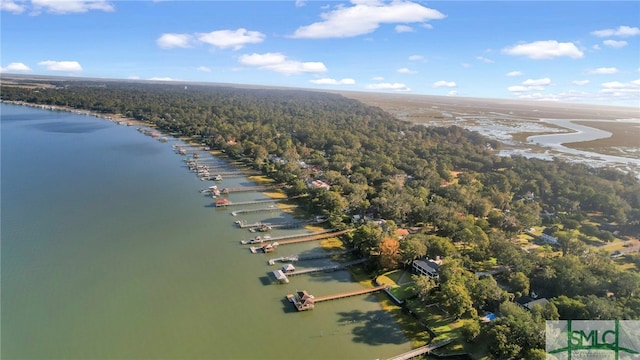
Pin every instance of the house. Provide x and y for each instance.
(551, 240)
(528, 302)
(318, 184)
(287, 269)
(402, 233)
(427, 267)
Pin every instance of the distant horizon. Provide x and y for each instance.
(332, 91)
(560, 51)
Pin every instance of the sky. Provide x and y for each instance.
(568, 51)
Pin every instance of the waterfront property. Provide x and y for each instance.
(427, 267)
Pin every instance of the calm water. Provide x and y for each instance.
(109, 251)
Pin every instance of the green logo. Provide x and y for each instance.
(593, 339)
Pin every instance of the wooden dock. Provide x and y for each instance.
(348, 294)
(327, 268)
(229, 190)
(284, 237)
(419, 351)
(294, 258)
(270, 208)
(240, 203)
(314, 237)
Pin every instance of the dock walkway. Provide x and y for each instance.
(284, 237)
(270, 208)
(326, 268)
(323, 235)
(294, 258)
(420, 351)
(348, 294)
(240, 203)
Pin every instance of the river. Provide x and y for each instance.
(109, 251)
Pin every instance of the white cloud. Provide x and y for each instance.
(442, 83)
(615, 43)
(530, 85)
(416, 57)
(279, 63)
(403, 29)
(380, 78)
(622, 31)
(484, 59)
(604, 71)
(452, 93)
(580, 82)
(365, 17)
(134, 77)
(537, 82)
(230, 38)
(427, 26)
(69, 66)
(389, 86)
(330, 81)
(547, 49)
(466, 65)
(70, 6)
(515, 73)
(162, 78)
(406, 71)
(168, 41)
(11, 6)
(300, 3)
(15, 67)
(518, 88)
(623, 91)
(596, 47)
(203, 69)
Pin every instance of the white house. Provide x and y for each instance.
(427, 267)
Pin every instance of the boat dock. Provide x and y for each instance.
(270, 208)
(303, 301)
(244, 225)
(229, 203)
(294, 258)
(258, 239)
(229, 190)
(421, 350)
(327, 268)
(316, 236)
(348, 294)
(275, 244)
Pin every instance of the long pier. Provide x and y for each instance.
(313, 237)
(325, 268)
(294, 258)
(348, 294)
(246, 211)
(419, 351)
(284, 237)
(229, 190)
(249, 202)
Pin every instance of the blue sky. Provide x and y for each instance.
(572, 51)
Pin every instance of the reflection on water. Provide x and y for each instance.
(69, 127)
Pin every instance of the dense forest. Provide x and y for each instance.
(461, 201)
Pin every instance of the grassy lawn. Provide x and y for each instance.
(332, 244)
(400, 282)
